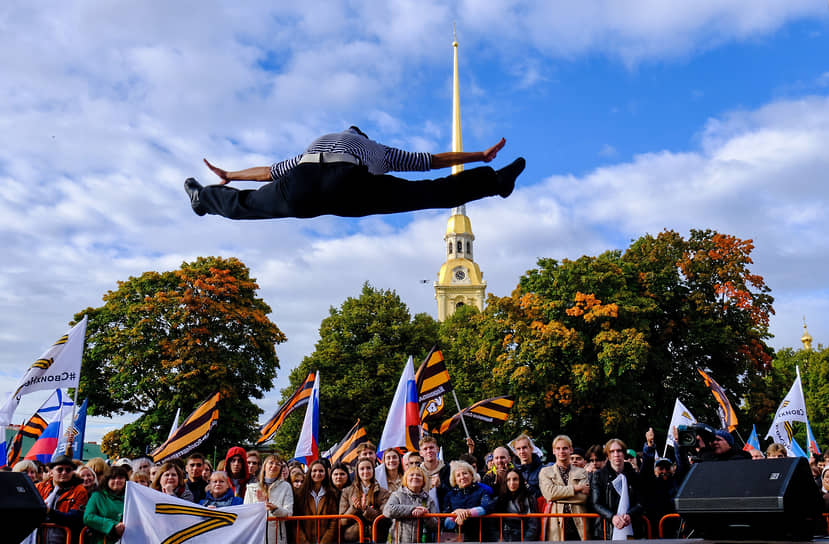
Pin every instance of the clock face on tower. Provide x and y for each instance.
(460, 274)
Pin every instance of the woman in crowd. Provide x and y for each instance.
(824, 488)
(105, 509)
(236, 467)
(615, 485)
(514, 497)
(316, 497)
(89, 479)
(170, 481)
(100, 466)
(297, 478)
(142, 478)
(27, 467)
(365, 499)
(340, 477)
(277, 495)
(207, 470)
(406, 508)
(388, 472)
(466, 500)
(219, 493)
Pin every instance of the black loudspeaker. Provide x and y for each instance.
(767, 499)
(21, 508)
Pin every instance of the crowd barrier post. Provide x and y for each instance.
(86, 534)
(662, 521)
(41, 535)
(298, 519)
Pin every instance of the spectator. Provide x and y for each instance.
(596, 458)
(219, 493)
(410, 459)
(237, 470)
(407, 506)
(170, 481)
(577, 458)
(722, 449)
(142, 463)
(501, 462)
(195, 482)
(466, 501)
(529, 464)
(515, 497)
(367, 450)
(104, 513)
(297, 478)
(467, 458)
(756, 454)
(389, 472)
(565, 487)
(438, 472)
(277, 495)
(775, 450)
(65, 499)
(615, 496)
(253, 461)
(101, 468)
(659, 484)
(89, 479)
(140, 477)
(153, 471)
(340, 477)
(316, 497)
(207, 470)
(28, 467)
(824, 488)
(365, 499)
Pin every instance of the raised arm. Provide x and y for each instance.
(451, 158)
(257, 173)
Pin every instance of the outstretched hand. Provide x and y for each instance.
(219, 172)
(490, 153)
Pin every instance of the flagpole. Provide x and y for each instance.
(70, 443)
(460, 413)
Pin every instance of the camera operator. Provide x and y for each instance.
(702, 443)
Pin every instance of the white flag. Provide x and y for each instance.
(681, 416)
(793, 408)
(59, 367)
(151, 517)
(175, 424)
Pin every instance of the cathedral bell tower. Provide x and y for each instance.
(460, 281)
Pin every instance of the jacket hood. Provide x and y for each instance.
(236, 450)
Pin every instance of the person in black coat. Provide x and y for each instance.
(606, 500)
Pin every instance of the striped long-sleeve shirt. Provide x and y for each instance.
(377, 157)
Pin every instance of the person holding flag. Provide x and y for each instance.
(65, 499)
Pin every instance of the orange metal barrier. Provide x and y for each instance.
(542, 516)
(318, 519)
(86, 536)
(41, 537)
(662, 521)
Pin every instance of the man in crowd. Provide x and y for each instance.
(367, 450)
(529, 464)
(577, 458)
(65, 499)
(565, 486)
(195, 480)
(253, 462)
(659, 485)
(142, 464)
(500, 464)
(438, 472)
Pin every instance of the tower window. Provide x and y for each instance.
(449, 248)
(460, 246)
(469, 248)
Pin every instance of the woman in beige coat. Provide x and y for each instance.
(364, 499)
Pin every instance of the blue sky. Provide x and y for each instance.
(633, 116)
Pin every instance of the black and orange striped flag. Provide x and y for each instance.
(346, 450)
(433, 383)
(489, 411)
(728, 417)
(31, 429)
(297, 400)
(191, 433)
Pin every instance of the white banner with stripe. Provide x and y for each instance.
(151, 517)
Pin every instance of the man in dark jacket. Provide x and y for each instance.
(529, 463)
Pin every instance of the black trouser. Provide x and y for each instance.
(347, 190)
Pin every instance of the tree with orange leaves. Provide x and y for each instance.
(167, 340)
(604, 345)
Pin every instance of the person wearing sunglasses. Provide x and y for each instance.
(65, 498)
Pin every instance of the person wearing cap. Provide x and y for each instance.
(65, 499)
(722, 449)
(345, 174)
(659, 483)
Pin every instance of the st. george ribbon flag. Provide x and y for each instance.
(58, 368)
(793, 408)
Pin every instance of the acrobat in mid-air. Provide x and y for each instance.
(345, 174)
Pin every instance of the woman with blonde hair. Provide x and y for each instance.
(407, 506)
(99, 465)
(27, 467)
(89, 479)
(466, 500)
(277, 495)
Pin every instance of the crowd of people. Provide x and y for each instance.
(619, 484)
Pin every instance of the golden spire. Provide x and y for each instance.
(457, 139)
(806, 339)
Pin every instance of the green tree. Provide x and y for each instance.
(360, 355)
(603, 345)
(168, 340)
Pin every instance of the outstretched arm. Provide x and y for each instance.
(257, 173)
(442, 160)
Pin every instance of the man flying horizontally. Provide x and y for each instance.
(345, 174)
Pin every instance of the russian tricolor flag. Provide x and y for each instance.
(43, 449)
(402, 427)
(307, 447)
